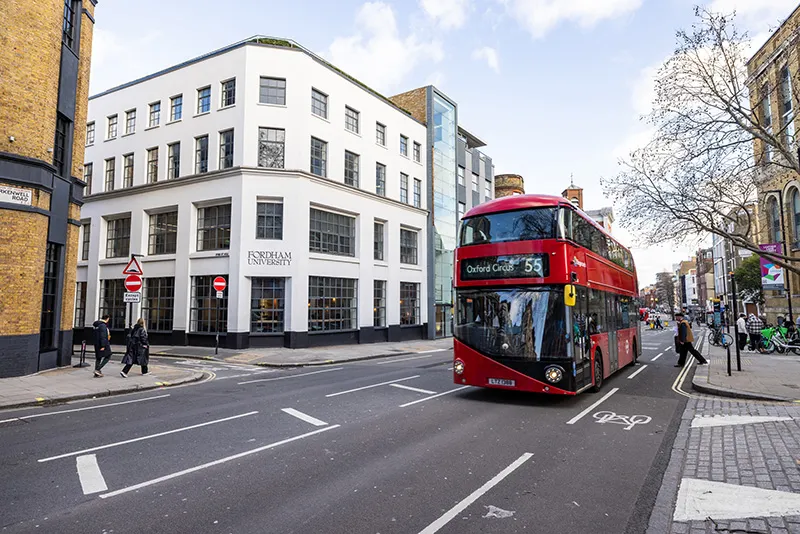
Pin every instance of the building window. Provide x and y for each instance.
(60, 146)
(112, 294)
(112, 127)
(417, 152)
(267, 302)
(351, 168)
(90, 134)
(173, 160)
(404, 145)
(408, 246)
(118, 238)
(409, 304)
(774, 221)
(319, 103)
(226, 149)
(269, 220)
(272, 91)
(462, 209)
(379, 303)
(163, 235)
(68, 29)
(332, 304)
(152, 165)
(85, 240)
(766, 120)
(80, 305)
(201, 154)
(378, 241)
(228, 93)
(271, 147)
(796, 211)
(487, 189)
(155, 114)
(88, 171)
(111, 170)
(417, 193)
(127, 170)
(319, 157)
(380, 179)
(204, 100)
(214, 227)
(130, 121)
(380, 134)
(158, 303)
(351, 118)
(47, 333)
(461, 181)
(332, 233)
(787, 116)
(203, 306)
(475, 182)
(176, 108)
(404, 188)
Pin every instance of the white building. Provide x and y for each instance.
(262, 163)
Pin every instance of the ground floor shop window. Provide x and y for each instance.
(332, 304)
(409, 303)
(379, 303)
(112, 294)
(80, 305)
(267, 303)
(47, 333)
(203, 310)
(158, 304)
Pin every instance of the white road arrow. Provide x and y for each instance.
(699, 499)
(727, 420)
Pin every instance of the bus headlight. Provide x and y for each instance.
(554, 374)
(458, 367)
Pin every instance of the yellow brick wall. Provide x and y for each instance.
(414, 102)
(70, 269)
(78, 147)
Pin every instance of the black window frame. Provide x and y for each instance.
(113, 126)
(176, 108)
(410, 307)
(417, 152)
(352, 162)
(269, 219)
(174, 160)
(112, 302)
(47, 325)
(263, 290)
(380, 179)
(331, 233)
(352, 120)
(403, 188)
(118, 237)
(379, 303)
(60, 145)
(127, 170)
(158, 303)
(130, 121)
(271, 152)
(226, 148)
(332, 304)
(403, 145)
(417, 193)
(88, 175)
(90, 133)
(152, 165)
(79, 317)
(203, 306)
(409, 248)
(319, 103)
(380, 133)
(378, 240)
(201, 154)
(68, 28)
(214, 227)
(154, 115)
(228, 93)
(203, 100)
(110, 174)
(319, 157)
(162, 235)
(86, 239)
(275, 91)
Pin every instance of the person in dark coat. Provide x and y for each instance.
(102, 344)
(137, 352)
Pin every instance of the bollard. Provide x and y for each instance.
(82, 362)
(728, 348)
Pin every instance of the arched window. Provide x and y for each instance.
(796, 214)
(775, 221)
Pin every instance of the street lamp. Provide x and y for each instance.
(785, 249)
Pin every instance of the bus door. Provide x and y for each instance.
(581, 342)
(612, 324)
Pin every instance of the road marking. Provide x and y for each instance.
(636, 372)
(592, 407)
(657, 356)
(434, 350)
(418, 390)
(404, 359)
(628, 420)
(703, 421)
(92, 480)
(372, 386)
(289, 376)
(151, 436)
(82, 409)
(305, 417)
(475, 495)
(245, 374)
(699, 499)
(215, 462)
(434, 396)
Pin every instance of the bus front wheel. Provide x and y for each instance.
(598, 371)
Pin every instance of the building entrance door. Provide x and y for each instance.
(444, 320)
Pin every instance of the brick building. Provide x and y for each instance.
(45, 50)
(508, 184)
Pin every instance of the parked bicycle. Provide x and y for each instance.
(781, 339)
(718, 338)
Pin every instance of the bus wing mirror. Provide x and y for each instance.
(569, 295)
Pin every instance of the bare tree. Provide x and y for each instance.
(665, 290)
(714, 144)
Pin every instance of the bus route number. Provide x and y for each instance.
(509, 266)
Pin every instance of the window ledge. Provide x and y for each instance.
(404, 155)
(152, 127)
(319, 332)
(87, 146)
(409, 267)
(159, 257)
(333, 257)
(272, 105)
(218, 253)
(226, 107)
(320, 117)
(357, 134)
(174, 122)
(203, 113)
(109, 139)
(128, 134)
(382, 146)
(114, 261)
(381, 263)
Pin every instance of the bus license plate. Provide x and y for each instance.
(502, 382)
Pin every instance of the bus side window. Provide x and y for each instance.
(565, 224)
(580, 322)
(597, 312)
(625, 309)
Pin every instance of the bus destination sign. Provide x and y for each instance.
(510, 266)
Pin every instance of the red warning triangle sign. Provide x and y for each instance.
(133, 267)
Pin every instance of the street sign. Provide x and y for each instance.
(133, 267)
(219, 283)
(133, 283)
(132, 297)
(219, 294)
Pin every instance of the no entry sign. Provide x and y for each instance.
(133, 282)
(219, 283)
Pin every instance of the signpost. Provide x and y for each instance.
(133, 287)
(219, 285)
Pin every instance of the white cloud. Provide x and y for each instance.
(446, 13)
(488, 54)
(377, 53)
(644, 89)
(541, 16)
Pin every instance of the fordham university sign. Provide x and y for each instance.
(269, 258)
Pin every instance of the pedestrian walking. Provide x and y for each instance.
(659, 326)
(685, 340)
(741, 325)
(137, 352)
(102, 344)
(754, 327)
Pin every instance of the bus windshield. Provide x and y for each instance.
(522, 225)
(518, 324)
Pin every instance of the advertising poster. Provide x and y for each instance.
(771, 274)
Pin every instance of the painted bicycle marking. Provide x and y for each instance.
(628, 420)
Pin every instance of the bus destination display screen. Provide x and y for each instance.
(509, 266)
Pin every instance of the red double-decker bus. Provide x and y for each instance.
(546, 299)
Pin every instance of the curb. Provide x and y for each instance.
(700, 383)
(196, 377)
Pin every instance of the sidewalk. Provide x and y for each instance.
(69, 383)
(283, 357)
(773, 377)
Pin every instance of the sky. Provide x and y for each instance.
(556, 88)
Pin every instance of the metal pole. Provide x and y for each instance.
(216, 327)
(785, 250)
(729, 360)
(736, 324)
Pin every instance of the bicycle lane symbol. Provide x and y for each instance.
(628, 420)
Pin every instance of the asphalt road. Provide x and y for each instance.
(382, 446)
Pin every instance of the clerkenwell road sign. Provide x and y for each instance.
(269, 257)
(15, 195)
